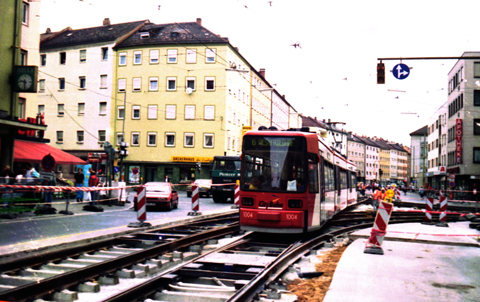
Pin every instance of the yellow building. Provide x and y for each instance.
(182, 96)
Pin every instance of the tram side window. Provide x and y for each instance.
(343, 179)
(329, 177)
(353, 180)
(313, 173)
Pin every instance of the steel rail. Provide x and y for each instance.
(50, 285)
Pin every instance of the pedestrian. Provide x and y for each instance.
(31, 175)
(421, 191)
(79, 179)
(93, 182)
(377, 196)
(7, 176)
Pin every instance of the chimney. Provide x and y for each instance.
(199, 21)
(48, 31)
(106, 22)
(262, 72)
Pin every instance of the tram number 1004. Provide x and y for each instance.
(291, 216)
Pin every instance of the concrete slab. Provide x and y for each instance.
(421, 267)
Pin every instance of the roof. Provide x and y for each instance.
(308, 121)
(172, 33)
(420, 132)
(100, 34)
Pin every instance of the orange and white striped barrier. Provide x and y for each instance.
(443, 211)
(195, 202)
(374, 243)
(141, 209)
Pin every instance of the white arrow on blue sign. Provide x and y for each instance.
(401, 71)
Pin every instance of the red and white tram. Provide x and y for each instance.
(292, 182)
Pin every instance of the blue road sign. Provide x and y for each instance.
(401, 71)
(116, 169)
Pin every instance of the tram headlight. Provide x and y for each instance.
(295, 203)
(247, 201)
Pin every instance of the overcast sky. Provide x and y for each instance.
(333, 74)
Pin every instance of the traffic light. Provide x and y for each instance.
(380, 73)
(199, 166)
(123, 152)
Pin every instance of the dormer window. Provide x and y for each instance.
(144, 35)
(174, 34)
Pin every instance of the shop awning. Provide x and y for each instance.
(34, 152)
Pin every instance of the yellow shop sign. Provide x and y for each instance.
(192, 159)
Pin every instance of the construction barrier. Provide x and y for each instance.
(428, 211)
(195, 201)
(443, 211)
(236, 199)
(374, 243)
(141, 209)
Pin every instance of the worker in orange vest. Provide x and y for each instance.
(377, 197)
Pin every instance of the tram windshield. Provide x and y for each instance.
(274, 163)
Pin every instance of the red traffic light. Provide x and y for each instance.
(380, 73)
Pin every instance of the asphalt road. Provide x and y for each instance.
(50, 226)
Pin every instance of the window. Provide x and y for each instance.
(60, 110)
(190, 112)
(82, 82)
(63, 58)
(23, 57)
(136, 112)
(137, 84)
(171, 83)
(171, 112)
(59, 137)
(191, 55)
(41, 85)
(476, 98)
(81, 108)
(83, 55)
(25, 12)
(119, 138)
(208, 140)
(61, 83)
(172, 56)
(476, 126)
(169, 139)
(153, 84)
(135, 138)
(103, 81)
(120, 112)
(43, 59)
(190, 81)
(209, 83)
(210, 55)
(152, 139)
(137, 57)
(41, 109)
(476, 69)
(122, 59)
(102, 134)
(154, 56)
(104, 53)
(102, 108)
(476, 155)
(122, 83)
(21, 107)
(189, 140)
(209, 112)
(80, 136)
(152, 112)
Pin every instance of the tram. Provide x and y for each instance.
(292, 182)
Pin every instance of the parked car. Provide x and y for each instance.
(159, 195)
(204, 187)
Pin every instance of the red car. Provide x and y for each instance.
(159, 195)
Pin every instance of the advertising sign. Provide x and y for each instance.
(458, 141)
